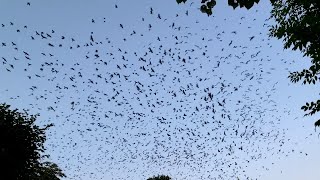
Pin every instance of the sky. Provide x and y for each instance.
(140, 88)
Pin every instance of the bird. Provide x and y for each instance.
(179, 97)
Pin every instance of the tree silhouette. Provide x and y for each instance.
(22, 147)
(208, 5)
(159, 177)
(298, 24)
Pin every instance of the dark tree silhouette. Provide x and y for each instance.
(159, 177)
(298, 24)
(22, 147)
(208, 5)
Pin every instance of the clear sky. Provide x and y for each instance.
(129, 90)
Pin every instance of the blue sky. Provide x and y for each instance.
(118, 116)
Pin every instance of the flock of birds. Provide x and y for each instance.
(161, 98)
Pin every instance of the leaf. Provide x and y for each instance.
(233, 4)
(203, 9)
(211, 4)
(249, 4)
(209, 12)
(180, 1)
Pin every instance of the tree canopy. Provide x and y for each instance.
(159, 177)
(22, 147)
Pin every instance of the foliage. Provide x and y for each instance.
(298, 24)
(208, 5)
(50, 171)
(22, 146)
(159, 177)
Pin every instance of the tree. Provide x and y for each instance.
(208, 5)
(159, 177)
(298, 24)
(22, 147)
